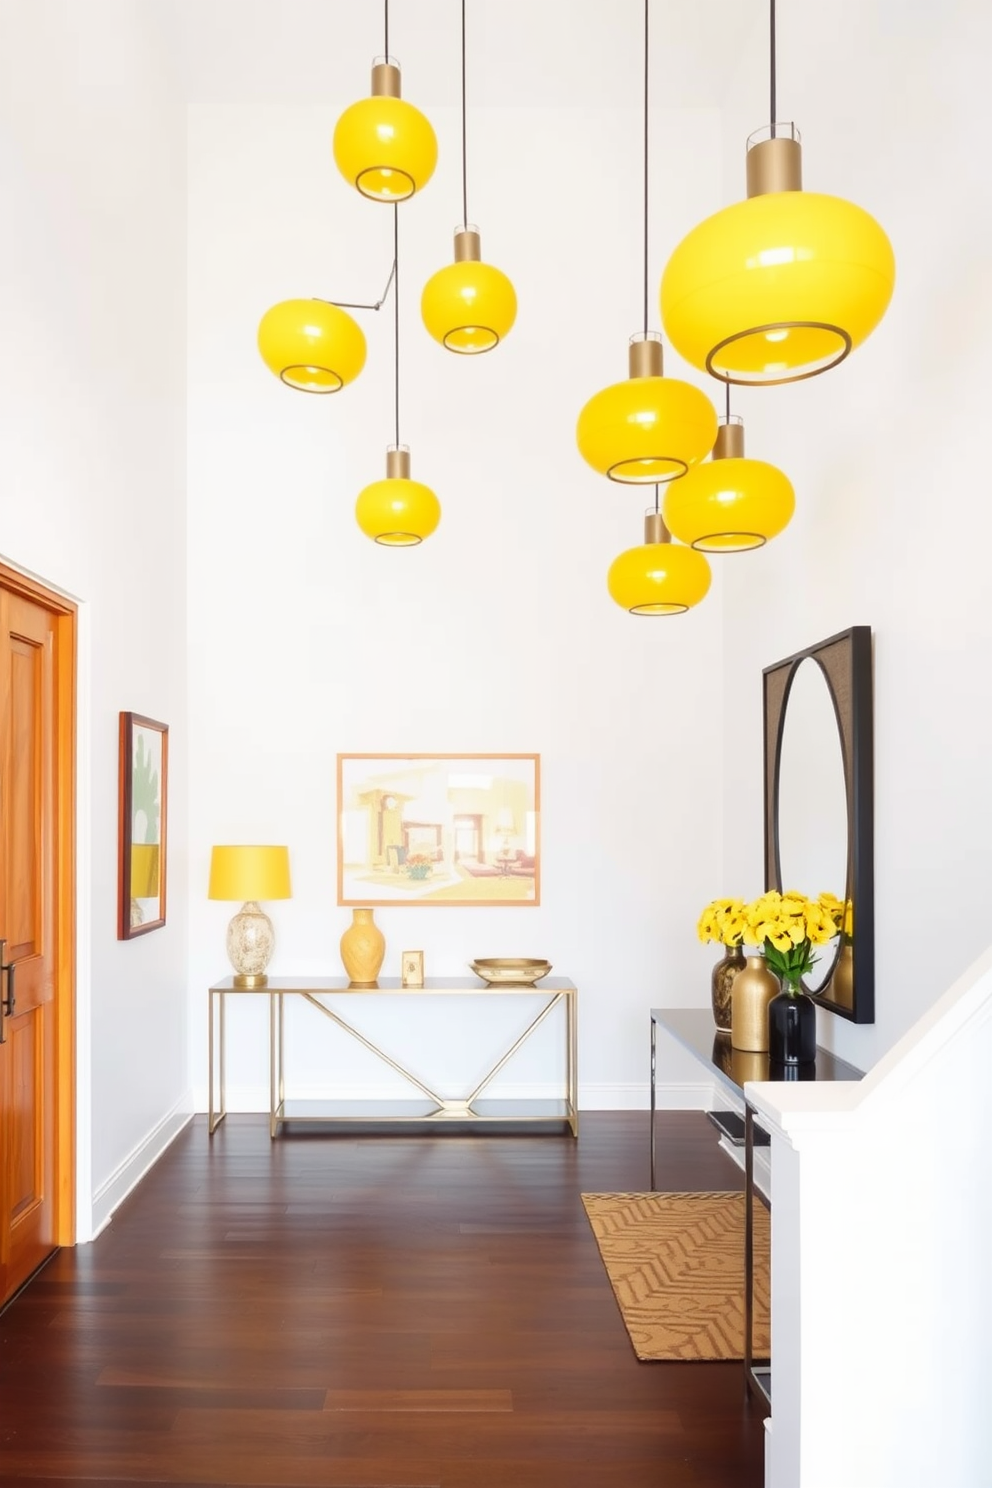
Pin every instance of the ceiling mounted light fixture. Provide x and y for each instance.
(397, 512)
(384, 146)
(729, 504)
(783, 285)
(660, 577)
(469, 306)
(651, 428)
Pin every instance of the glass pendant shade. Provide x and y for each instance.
(397, 512)
(660, 577)
(649, 429)
(780, 286)
(311, 345)
(468, 306)
(384, 146)
(729, 504)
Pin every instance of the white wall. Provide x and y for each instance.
(888, 456)
(91, 496)
(496, 634)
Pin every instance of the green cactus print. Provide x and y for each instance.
(144, 792)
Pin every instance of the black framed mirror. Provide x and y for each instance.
(819, 805)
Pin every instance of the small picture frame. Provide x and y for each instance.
(412, 970)
(143, 777)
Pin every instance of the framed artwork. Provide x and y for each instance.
(141, 833)
(439, 829)
(412, 969)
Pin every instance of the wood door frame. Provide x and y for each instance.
(64, 664)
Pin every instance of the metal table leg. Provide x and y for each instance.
(654, 1061)
(757, 1373)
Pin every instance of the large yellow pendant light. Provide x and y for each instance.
(397, 512)
(780, 286)
(469, 306)
(311, 345)
(660, 577)
(383, 145)
(729, 504)
(651, 428)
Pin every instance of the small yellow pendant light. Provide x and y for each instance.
(651, 428)
(729, 504)
(469, 306)
(781, 286)
(397, 512)
(311, 345)
(660, 577)
(384, 146)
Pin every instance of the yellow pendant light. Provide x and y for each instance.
(660, 577)
(469, 306)
(729, 504)
(781, 286)
(651, 428)
(397, 512)
(311, 345)
(383, 146)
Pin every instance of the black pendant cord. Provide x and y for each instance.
(771, 62)
(728, 400)
(645, 167)
(396, 315)
(386, 9)
(464, 132)
(657, 508)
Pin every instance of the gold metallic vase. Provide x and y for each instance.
(753, 990)
(363, 947)
(721, 982)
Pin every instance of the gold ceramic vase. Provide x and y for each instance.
(721, 982)
(363, 947)
(753, 990)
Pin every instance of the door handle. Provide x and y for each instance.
(7, 1002)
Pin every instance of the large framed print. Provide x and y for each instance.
(143, 774)
(439, 829)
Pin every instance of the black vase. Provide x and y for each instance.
(791, 1028)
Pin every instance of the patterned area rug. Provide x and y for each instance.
(676, 1265)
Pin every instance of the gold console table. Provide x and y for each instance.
(433, 1108)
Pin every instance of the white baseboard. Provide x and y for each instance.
(115, 1189)
(636, 1096)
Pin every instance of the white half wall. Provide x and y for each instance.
(92, 284)
(498, 633)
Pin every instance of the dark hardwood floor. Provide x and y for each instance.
(381, 1311)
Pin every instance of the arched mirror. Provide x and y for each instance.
(818, 805)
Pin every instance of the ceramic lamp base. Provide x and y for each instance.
(250, 943)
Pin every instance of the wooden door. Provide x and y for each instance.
(35, 1177)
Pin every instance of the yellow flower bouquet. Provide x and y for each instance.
(788, 926)
(723, 921)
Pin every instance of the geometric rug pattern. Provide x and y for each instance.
(676, 1265)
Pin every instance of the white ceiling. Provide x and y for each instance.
(520, 52)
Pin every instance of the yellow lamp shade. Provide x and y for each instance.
(468, 306)
(729, 506)
(383, 145)
(311, 346)
(397, 512)
(649, 429)
(658, 578)
(246, 873)
(144, 870)
(778, 287)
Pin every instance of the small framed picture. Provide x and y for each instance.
(142, 811)
(413, 969)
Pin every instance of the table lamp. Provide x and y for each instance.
(249, 874)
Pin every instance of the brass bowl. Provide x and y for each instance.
(510, 971)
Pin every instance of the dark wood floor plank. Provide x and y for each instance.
(384, 1311)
